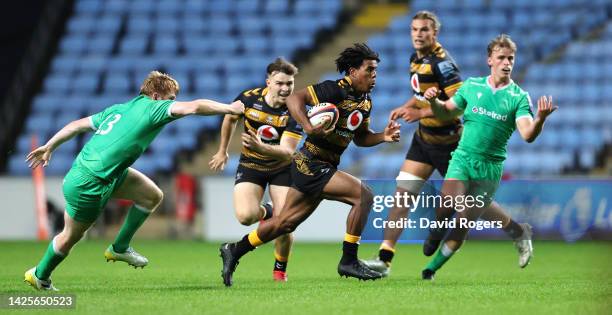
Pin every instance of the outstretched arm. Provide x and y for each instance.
(217, 163)
(530, 128)
(368, 138)
(442, 110)
(410, 112)
(205, 107)
(42, 154)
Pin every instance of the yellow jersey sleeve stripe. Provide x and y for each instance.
(313, 94)
(452, 87)
(292, 135)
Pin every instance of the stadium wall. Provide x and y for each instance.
(558, 209)
(19, 221)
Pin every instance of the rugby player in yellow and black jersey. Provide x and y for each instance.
(313, 169)
(434, 140)
(269, 140)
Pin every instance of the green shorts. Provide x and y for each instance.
(86, 195)
(481, 176)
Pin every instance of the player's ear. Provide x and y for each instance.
(489, 61)
(155, 96)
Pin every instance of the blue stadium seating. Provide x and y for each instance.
(215, 48)
(576, 81)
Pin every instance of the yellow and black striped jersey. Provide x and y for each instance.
(437, 69)
(270, 124)
(354, 109)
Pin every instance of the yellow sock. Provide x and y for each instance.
(351, 238)
(254, 239)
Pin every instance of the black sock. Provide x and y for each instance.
(242, 247)
(385, 255)
(349, 252)
(437, 233)
(269, 211)
(280, 265)
(514, 230)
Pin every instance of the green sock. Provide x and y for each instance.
(441, 257)
(49, 261)
(133, 220)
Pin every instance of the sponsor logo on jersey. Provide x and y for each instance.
(414, 82)
(254, 114)
(354, 120)
(267, 132)
(447, 68)
(482, 111)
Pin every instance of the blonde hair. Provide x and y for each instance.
(501, 41)
(428, 15)
(161, 83)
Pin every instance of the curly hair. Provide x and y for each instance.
(353, 57)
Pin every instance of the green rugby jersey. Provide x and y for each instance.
(490, 116)
(122, 133)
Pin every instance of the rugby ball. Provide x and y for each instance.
(324, 113)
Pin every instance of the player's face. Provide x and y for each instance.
(423, 34)
(364, 78)
(501, 62)
(280, 86)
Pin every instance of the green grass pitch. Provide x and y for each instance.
(184, 278)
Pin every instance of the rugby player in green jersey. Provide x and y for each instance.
(492, 107)
(102, 169)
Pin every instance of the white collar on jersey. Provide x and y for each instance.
(494, 90)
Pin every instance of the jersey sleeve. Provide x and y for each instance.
(293, 129)
(524, 107)
(448, 75)
(460, 98)
(326, 92)
(160, 112)
(96, 119)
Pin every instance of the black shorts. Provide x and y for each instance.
(280, 177)
(310, 176)
(436, 155)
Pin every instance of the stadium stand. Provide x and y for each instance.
(214, 48)
(541, 29)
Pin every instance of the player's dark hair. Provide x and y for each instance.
(501, 41)
(353, 57)
(283, 66)
(428, 15)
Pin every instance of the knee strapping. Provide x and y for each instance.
(409, 182)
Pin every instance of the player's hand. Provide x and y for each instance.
(431, 93)
(42, 155)
(319, 130)
(411, 114)
(397, 113)
(545, 106)
(251, 140)
(218, 161)
(236, 108)
(392, 132)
